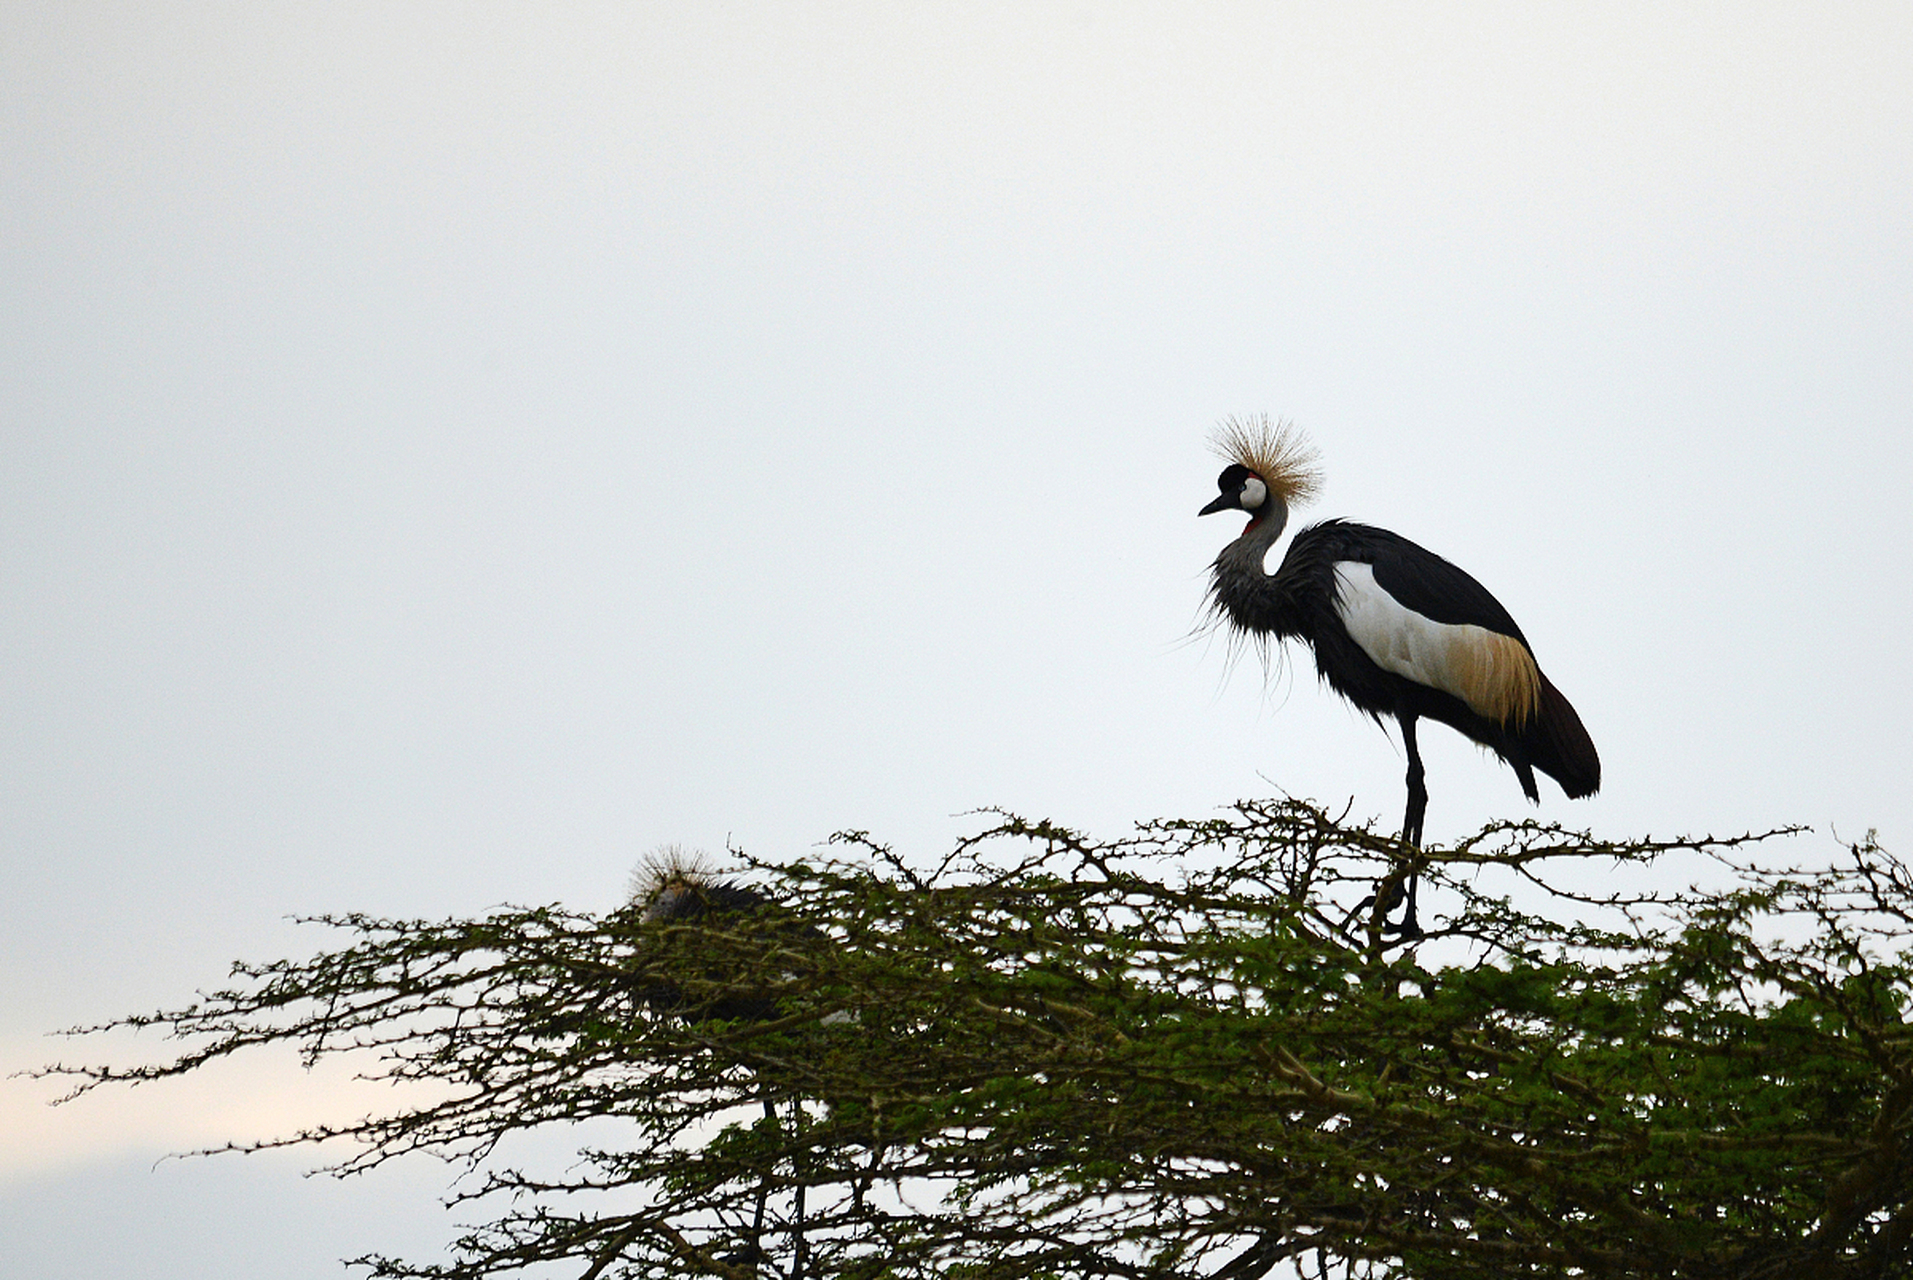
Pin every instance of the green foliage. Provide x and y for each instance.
(1165, 1056)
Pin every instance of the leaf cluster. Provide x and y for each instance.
(1172, 1055)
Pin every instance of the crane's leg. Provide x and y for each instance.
(1417, 788)
(1412, 820)
(1411, 835)
(753, 1252)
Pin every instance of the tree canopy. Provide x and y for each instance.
(1168, 1055)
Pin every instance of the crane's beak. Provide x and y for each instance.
(1223, 503)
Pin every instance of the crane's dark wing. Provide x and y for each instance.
(1428, 584)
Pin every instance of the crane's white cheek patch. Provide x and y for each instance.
(1254, 494)
(1494, 674)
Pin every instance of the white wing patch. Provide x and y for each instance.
(1494, 674)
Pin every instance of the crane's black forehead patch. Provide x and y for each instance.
(1232, 477)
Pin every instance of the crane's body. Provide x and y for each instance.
(1394, 628)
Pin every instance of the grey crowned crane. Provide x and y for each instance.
(1395, 629)
(674, 889)
(683, 893)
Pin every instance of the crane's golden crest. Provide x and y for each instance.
(671, 866)
(1274, 450)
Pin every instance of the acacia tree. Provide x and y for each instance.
(1171, 1055)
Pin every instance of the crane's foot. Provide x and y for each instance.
(1408, 928)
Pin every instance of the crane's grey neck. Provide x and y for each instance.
(1249, 551)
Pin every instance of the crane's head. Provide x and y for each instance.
(1271, 465)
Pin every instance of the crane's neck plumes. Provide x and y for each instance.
(1244, 589)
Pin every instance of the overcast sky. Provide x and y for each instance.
(447, 451)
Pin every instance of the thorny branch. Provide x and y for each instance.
(1161, 1056)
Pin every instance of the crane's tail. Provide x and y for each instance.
(1559, 746)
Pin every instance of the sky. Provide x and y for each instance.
(448, 451)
